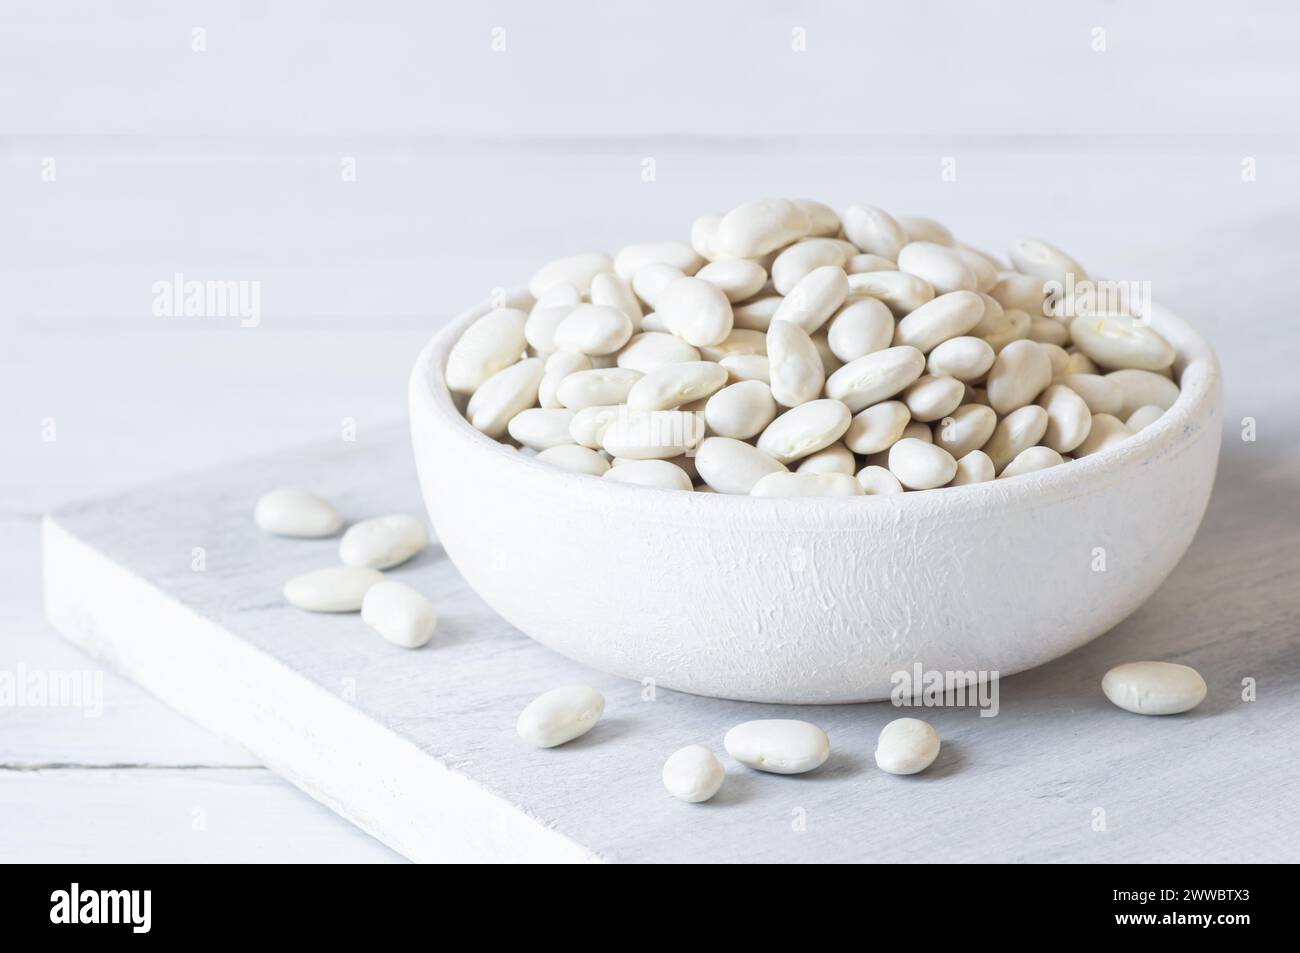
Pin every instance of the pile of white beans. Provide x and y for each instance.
(787, 350)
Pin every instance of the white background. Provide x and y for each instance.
(473, 166)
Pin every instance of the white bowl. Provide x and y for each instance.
(818, 600)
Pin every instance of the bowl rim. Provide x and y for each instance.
(1199, 389)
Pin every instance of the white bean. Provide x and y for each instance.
(609, 289)
(861, 264)
(875, 377)
(948, 316)
(490, 344)
(920, 465)
(874, 231)
(805, 429)
(1015, 432)
(755, 228)
(740, 410)
(1101, 394)
(836, 458)
(293, 512)
(778, 745)
(1143, 417)
(807, 484)
(696, 311)
(906, 746)
(918, 431)
(383, 542)
(878, 481)
(402, 615)
(1041, 260)
(794, 366)
(930, 398)
(1048, 331)
(1021, 292)
(656, 473)
(941, 267)
(1139, 388)
(650, 350)
(575, 458)
(966, 429)
(815, 298)
(336, 589)
(822, 219)
(878, 427)
(1031, 459)
(1020, 373)
(733, 466)
(676, 384)
(737, 278)
(1116, 342)
(965, 358)
(903, 293)
(1106, 432)
(756, 315)
(598, 386)
(693, 774)
(1154, 688)
(802, 258)
(560, 715)
(747, 367)
(540, 428)
(974, 467)
(1068, 418)
(861, 327)
(596, 329)
(504, 394)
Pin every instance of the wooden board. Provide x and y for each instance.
(418, 748)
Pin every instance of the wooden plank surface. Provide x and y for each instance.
(1024, 785)
(172, 815)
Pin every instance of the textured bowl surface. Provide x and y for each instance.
(818, 600)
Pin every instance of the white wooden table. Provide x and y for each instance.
(356, 275)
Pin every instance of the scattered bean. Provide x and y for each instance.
(693, 774)
(1154, 688)
(778, 745)
(560, 715)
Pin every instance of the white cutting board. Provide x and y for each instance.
(418, 748)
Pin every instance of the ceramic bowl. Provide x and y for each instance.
(818, 600)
